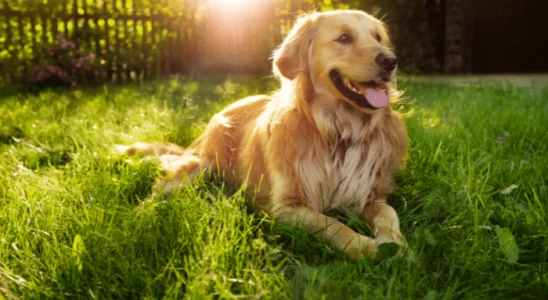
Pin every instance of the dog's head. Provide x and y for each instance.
(345, 54)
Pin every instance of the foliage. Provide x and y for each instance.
(66, 65)
(79, 222)
(415, 33)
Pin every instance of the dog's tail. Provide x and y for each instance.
(153, 149)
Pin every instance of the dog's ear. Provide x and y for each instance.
(291, 58)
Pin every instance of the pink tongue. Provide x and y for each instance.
(377, 98)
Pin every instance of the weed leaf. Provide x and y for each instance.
(387, 250)
(430, 239)
(507, 244)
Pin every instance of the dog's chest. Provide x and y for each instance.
(346, 176)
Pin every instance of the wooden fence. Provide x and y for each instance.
(136, 39)
(144, 38)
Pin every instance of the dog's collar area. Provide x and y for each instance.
(351, 91)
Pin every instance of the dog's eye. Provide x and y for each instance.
(378, 37)
(345, 38)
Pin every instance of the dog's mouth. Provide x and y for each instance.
(368, 94)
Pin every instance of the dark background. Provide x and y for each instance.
(509, 36)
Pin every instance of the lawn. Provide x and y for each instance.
(77, 221)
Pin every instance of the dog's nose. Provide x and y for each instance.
(386, 62)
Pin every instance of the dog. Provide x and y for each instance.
(327, 138)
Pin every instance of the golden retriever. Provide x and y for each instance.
(327, 138)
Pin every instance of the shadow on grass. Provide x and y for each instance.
(10, 134)
(48, 157)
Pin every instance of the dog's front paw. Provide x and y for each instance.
(164, 188)
(361, 247)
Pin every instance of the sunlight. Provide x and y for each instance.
(235, 5)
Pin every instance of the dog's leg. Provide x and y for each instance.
(385, 223)
(181, 165)
(181, 170)
(339, 235)
(145, 149)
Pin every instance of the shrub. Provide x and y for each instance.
(66, 65)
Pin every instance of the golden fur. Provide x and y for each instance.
(307, 148)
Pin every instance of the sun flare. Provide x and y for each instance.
(235, 5)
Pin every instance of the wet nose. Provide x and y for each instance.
(387, 62)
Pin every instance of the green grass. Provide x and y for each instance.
(79, 222)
